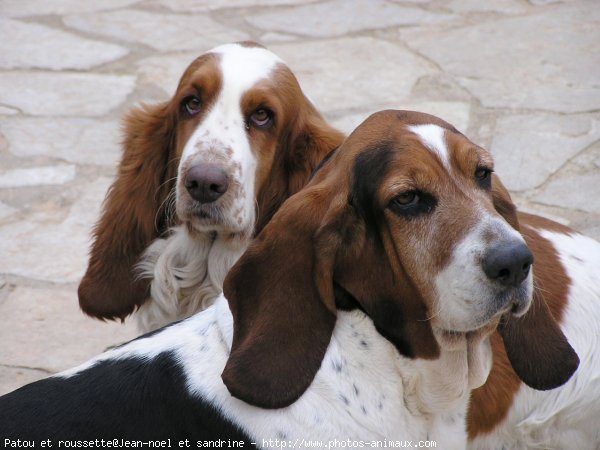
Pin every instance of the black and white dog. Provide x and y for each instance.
(339, 322)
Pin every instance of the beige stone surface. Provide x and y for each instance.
(530, 148)
(162, 32)
(20, 48)
(360, 75)
(520, 77)
(37, 176)
(23, 8)
(43, 345)
(76, 140)
(65, 93)
(547, 60)
(340, 17)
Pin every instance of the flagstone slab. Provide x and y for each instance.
(51, 243)
(163, 32)
(581, 192)
(29, 45)
(493, 6)
(530, 148)
(64, 94)
(340, 17)
(5, 212)
(76, 140)
(24, 8)
(364, 72)
(547, 60)
(30, 316)
(208, 5)
(4, 111)
(37, 176)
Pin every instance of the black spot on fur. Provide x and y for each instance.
(344, 399)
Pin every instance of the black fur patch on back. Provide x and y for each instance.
(129, 398)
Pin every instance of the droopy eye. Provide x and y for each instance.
(483, 176)
(407, 199)
(413, 203)
(261, 117)
(192, 105)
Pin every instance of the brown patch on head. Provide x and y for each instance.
(419, 118)
(203, 80)
(250, 44)
(291, 148)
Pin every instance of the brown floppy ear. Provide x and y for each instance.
(537, 349)
(301, 149)
(133, 215)
(280, 293)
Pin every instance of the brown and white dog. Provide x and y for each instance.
(505, 413)
(361, 313)
(219, 158)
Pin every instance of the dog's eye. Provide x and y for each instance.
(412, 203)
(261, 118)
(483, 176)
(407, 199)
(191, 105)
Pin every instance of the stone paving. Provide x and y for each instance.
(519, 77)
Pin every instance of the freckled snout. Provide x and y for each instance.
(206, 182)
(508, 263)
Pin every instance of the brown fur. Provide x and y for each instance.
(340, 236)
(135, 209)
(133, 215)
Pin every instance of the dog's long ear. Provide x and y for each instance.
(308, 140)
(537, 349)
(281, 296)
(133, 215)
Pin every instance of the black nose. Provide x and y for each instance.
(206, 182)
(508, 263)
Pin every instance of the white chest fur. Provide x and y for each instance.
(187, 274)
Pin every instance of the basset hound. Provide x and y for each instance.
(199, 175)
(361, 313)
(506, 413)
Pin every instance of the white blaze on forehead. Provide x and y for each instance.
(222, 135)
(433, 138)
(242, 67)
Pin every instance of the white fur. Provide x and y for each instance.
(188, 267)
(433, 138)
(187, 274)
(364, 389)
(470, 298)
(566, 417)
